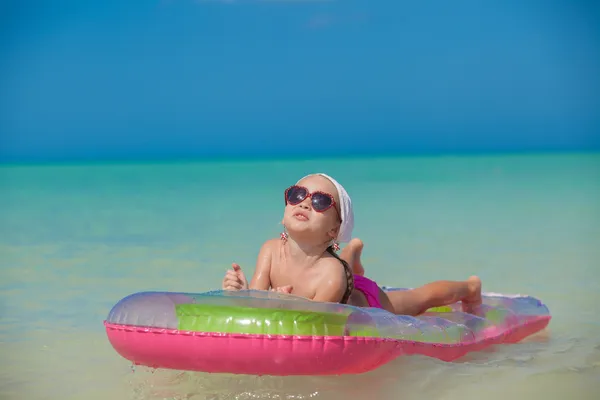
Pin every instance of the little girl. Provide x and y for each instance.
(318, 215)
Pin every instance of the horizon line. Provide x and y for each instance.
(232, 158)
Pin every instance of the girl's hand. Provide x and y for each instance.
(283, 289)
(235, 279)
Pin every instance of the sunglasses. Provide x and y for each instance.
(320, 201)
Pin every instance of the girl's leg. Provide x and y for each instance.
(351, 254)
(417, 301)
(436, 294)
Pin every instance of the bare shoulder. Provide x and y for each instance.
(271, 246)
(332, 280)
(265, 256)
(332, 270)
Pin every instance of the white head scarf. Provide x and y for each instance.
(345, 208)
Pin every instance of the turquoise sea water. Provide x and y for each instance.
(76, 239)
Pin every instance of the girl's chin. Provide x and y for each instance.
(299, 230)
(299, 234)
(297, 223)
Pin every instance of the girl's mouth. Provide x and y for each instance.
(301, 216)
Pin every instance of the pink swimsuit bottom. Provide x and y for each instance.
(369, 289)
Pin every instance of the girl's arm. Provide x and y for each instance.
(262, 274)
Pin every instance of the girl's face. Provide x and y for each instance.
(317, 214)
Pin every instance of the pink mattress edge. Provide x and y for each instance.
(258, 354)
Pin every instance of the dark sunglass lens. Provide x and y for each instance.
(321, 202)
(296, 195)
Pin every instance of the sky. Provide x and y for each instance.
(192, 79)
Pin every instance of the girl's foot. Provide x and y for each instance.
(473, 300)
(351, 254)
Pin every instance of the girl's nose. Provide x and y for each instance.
(306, 203)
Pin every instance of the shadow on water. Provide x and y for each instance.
(75, 366)
(148, 384)
(407, 377)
